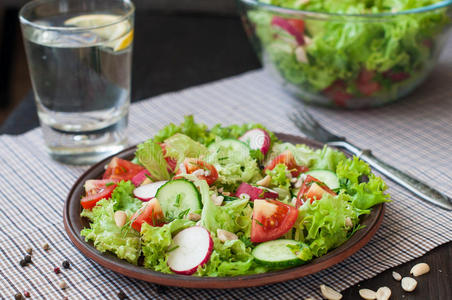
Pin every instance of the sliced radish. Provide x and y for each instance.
(140, 177)
(257, 139)
(287, 26)
(192, 248)
(255, 192)
(147, 192)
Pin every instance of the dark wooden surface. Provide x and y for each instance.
(176, 51)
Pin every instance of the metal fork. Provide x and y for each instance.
(311, 128)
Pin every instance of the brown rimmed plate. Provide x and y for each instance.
(73, 224)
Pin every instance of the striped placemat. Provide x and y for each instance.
(415, 135)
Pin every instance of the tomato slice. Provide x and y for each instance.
(287, 158)
(97, 190)
(337, 91)
(151, 213)
(191, 165)
(297, 24)
(312, 189)
(271, 220)
(121, 169)
(366, 84)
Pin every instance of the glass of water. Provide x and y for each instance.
(79, 55)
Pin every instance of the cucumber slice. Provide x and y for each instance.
(326, 176)
(276, 254)
(177, 196)
(238, 149)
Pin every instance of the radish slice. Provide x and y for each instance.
(147, 192)
(255, 192)
(192, 248)
(257, 139)
(140, 177)
(285, 25)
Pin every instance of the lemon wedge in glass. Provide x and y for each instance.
(118, 36)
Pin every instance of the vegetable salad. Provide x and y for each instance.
(227, 201)
(348, 61)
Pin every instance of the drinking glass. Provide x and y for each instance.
(79, 55)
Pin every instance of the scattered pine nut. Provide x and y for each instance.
(120, 218)
(420, 269)
(62, 285)
(329, 293)
(45, 246)
(367, 294)
(408, 284)
(396, 276)
(383, 293)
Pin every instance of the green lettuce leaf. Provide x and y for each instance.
(123, 198)
(180, 146)
(233, 167)
(365, 194)
(233, 216)
(150, 155)
(107, 236)
(323, 224)
(156, 242)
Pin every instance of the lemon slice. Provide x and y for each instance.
(118, 36)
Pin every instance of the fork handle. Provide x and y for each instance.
(417, 187)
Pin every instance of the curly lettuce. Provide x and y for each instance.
(364, 194)
(325, 224)
(107, 236)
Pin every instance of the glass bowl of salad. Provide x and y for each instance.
(349, 54)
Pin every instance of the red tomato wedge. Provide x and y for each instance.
(97, 190)
(121, 169)
(207, 171)
(366, 84)
(271, 220)
(337, 91)
(297, 24)
(151, 213)
(287, 158)
(312, 189)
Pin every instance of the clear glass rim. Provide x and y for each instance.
(36, 3)
(293, 11)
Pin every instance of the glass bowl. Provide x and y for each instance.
(347, 60)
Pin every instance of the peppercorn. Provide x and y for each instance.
(27, 259)
(66, 264)
(160, 289)
(122, 295)
(22, 263)
(56, 270)
(27, 294)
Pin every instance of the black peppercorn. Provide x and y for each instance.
(22, 263)
(66, 264)
(363, 178)
(122, 295)
(27, 259)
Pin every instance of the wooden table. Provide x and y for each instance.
(180, 50)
